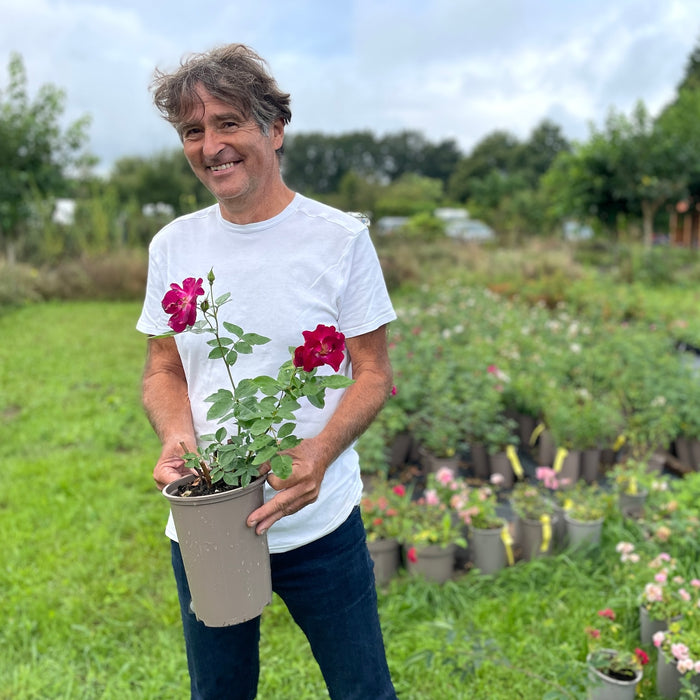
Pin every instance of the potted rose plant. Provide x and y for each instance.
(613, 669)
(538, 513)
(585, 508)
(384, 510)
(430, 536)
(227, 465)
(678, 663)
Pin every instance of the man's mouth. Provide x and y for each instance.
(223, 166)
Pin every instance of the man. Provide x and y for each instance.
(290, 263)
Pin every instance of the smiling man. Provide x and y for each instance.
(291, 263)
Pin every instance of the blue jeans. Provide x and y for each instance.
(328, 587)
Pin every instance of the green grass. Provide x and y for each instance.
(88, 604)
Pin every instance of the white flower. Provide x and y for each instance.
(658, 401)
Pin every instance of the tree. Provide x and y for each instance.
(165, 177)
(36, 154)
(691, 78)
(630, 168)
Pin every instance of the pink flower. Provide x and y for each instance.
(658, 638)
(684, 594)
(679, 651)
(399, 490)
(497, 479)
(653, 593)
(323, 346)
(180, 303)
(431, 497)
(695, 583)
(684, 665)
(412, 555)
(661, 577)
(607, 613)
(592, 632)
(393, 390)
(445, 476)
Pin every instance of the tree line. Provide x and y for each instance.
(626, 177)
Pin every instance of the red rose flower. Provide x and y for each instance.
(642, 656)
(412, 555)
(181, 303)
(399, 490)
(607, 613)
(324, 346)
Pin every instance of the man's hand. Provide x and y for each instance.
(301, 488)
(170, 467)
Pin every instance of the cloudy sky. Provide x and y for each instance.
(448, 68)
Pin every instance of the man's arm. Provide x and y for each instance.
(167, 405)
(360, 404)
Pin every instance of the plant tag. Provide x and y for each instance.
(539, 429)
(514, 461)
(508, 544)
(559, 459)
(546, 532)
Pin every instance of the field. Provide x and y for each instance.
(88, 603)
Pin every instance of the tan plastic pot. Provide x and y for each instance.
(227, 564)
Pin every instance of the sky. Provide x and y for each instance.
(450, 69)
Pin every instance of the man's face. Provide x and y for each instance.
(234, 160)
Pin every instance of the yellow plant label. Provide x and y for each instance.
(514, 461)
(508, 544)
(539, 429)
(559, 459)
(546, 532)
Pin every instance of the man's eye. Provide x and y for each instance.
(229, 125)
(190, 132)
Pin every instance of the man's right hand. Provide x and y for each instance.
(169, 469)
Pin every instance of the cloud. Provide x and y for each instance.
(448, 68)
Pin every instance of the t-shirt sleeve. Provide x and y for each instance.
(153, 320)
(365, 304)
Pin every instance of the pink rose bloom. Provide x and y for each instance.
(685, 665)
(679, 651)
(695, 583)
(684, 594)
(180, 303)
(678, 579)
(658, 638)
(653, 593)
(431, 497)
(497, 479)
(412, 555)
(445, 476)
(696, 667)
(624, 547)
(661, 577)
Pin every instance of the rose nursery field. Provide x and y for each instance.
(89, 607)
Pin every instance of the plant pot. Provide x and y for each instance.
(535, 539)
(385, 554)
(632, 505)
(431, 462)
(488, 553)
(500, 464)
(545, 449)
(434, 562)
(668, 678)
(603, 687)
(400, 449)
(526, 427)
(695, 452)
(479, 458)
(570, 470)
(583, 532)
(227, 564)
(648, 626)
(683, 451)
(590, 465)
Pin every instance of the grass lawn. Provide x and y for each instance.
(88, 605)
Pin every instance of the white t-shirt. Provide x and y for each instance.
(310, 264)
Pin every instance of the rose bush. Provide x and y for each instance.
(262, 409)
